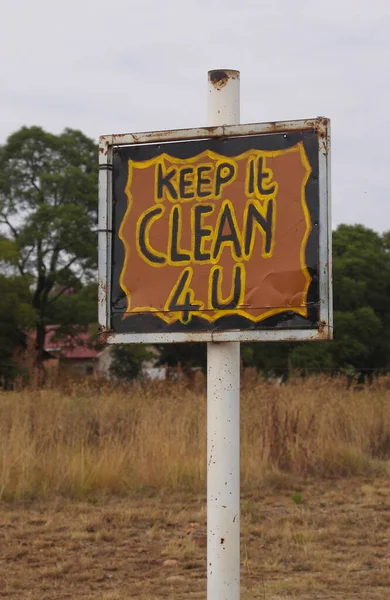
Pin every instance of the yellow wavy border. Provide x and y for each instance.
(172, 317)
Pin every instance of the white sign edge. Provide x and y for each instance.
(106, 143)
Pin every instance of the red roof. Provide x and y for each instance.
(74, 347)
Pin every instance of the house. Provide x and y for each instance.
(79, 353)
(75, 353)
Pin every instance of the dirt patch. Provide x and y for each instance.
(313, 540)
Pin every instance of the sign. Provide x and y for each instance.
(216, 233)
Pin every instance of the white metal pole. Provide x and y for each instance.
(223, 407)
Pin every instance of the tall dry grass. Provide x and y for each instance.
(91, 437)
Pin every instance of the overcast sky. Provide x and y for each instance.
(125, 66)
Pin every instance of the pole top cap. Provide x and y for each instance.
(219, 77)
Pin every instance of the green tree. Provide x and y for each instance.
(361, 276)
(187, 356)
(361, 269)
(312, 357)
(48, 213)
(358, 335)
(271, 358)
(17, 315)
(128, 359)
(76, 306)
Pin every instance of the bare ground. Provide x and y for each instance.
(314, 540)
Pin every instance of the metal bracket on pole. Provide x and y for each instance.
(223, 407)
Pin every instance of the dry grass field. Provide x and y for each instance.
(103, 491)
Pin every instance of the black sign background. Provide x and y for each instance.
(230, 147)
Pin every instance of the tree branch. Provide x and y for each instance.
(12, 228)
(54, 259)
(69, 264)
(58, 295)
(22, 264)
(66, 288)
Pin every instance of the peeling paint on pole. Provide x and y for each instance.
(223, 407)
(219, 78)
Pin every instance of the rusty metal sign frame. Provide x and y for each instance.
(107, 143)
